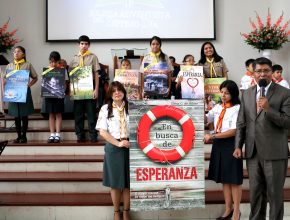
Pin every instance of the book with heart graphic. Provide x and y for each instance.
(192, 84)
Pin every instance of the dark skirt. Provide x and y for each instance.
(54, 105)
(19, 109)
(116, 167)
(223, 166)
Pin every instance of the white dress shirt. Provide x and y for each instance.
(259, 88)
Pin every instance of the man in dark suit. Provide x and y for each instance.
(262, 125)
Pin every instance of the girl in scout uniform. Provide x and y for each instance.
(224, 167)
(21, 110)
(156, 56)
(113, 125)
(213, 64)
(55, 106)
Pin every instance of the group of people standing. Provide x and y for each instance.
(259, 121)
(55, 106)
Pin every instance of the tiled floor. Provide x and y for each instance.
(106, 213)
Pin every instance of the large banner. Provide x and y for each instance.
(53, 80)
(192, 84)
(15, 89)
(166, 154)
(130, 80)
(81, 83)
(212, 92)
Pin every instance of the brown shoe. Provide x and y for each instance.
(81, 140)
(16, 141)
(23, 140)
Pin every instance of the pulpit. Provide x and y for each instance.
(135, 56)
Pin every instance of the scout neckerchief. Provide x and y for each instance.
(212, 69)
(253, 82)
(154, 61)
(51, 68)
(155, 56)
(122, 119)
(221, 116)
(82, 55)
(277, 81)
(17, 63)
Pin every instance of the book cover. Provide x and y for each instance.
(53, 81)
(15, 89)
(192, 85)
(166, 154)
(156, 79)
(212, 91)
(130, 80)
(81, 83)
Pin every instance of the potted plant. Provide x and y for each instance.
(267, 36)
(7, 41)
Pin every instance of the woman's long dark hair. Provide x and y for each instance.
(158, 39)
(116, 85)
(22, 50)
(217, 58)
(233, 90)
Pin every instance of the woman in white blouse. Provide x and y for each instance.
(113, 125)
(224, 167)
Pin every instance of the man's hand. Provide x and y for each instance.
(237, 153)
(263, 103)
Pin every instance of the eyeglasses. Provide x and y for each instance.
(266, 71)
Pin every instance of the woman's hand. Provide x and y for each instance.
(179, 80)
(95, 94)
(124, 143)
(207, 138)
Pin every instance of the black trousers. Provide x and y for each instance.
(82, 107)
(21, 129)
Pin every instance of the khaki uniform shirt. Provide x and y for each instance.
(149, 59)
(23, 66)
(89, 60)
(220, 69)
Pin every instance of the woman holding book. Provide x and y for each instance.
(113, 125)
(156, 85)
(213, 64)
(21, 110)
(224, 167)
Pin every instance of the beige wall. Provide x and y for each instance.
(232, 17)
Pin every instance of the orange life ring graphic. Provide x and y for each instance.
(155, 153)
